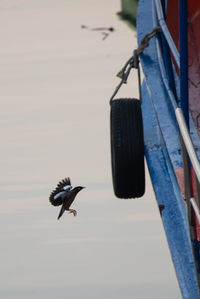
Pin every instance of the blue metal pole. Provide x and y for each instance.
(183, 48)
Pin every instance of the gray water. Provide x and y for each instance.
(55, 84)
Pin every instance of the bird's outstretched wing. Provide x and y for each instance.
(64, 184)
(56, 195)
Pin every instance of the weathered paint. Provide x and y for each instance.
(168, 195)
(193, 68)
(163, 154)
(193, 51)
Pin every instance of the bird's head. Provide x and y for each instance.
(78, 189)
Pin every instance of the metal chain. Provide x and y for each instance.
(133, 62)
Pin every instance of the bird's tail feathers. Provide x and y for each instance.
(61, 212)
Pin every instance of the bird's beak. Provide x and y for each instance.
(83, 187)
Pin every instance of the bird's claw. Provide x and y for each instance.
(73, 211)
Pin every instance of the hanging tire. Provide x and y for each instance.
(127, 148)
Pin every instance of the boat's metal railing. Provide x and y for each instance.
(195, 207)
(164, 28)
(159, 20)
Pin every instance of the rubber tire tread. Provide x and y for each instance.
(127, 148)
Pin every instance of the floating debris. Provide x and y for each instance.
(104, 30)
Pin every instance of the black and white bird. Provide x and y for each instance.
(64, 195)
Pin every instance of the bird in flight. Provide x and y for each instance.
(64, 195)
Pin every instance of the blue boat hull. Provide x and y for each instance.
(163, 155)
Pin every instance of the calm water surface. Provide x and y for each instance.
(56, 80)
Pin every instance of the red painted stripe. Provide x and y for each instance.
(180, 178)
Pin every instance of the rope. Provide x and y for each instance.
(145, 41)
(133, 62)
